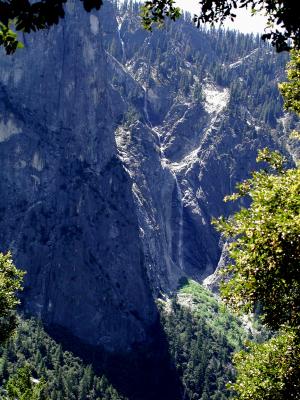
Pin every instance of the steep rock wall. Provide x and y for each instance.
(191, 138)
(67, 209)
(116, 149)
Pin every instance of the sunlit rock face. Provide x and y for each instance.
(189, 136)
(112, 166)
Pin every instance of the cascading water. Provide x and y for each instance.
(121, 40)
(146, 96)
(180, 225)
(173, 232)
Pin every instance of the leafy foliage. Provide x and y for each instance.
(281, 13)
(291, 89)
(155, 12)
(8, 38)
(27, 16)
(266, 246)
(266, 273)
(10, 283)
(266, 236)
(269, 371)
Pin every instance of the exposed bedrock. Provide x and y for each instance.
(112, 166)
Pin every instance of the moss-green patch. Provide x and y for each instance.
(205, 306)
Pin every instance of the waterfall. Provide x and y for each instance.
(180, 225)
(164, 161)
(121, 40)
(146, 107)
(146, 102)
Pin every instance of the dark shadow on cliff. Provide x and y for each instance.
(146, 373)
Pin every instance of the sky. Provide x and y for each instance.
(243, 22)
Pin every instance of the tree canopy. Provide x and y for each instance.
(10, 284)
(265, 237)
(30, 16)
(265, 272)
(291, 89)
(269, 370)
(22, 387)
(266, 246)
(283, 17)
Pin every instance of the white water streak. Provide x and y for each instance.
(180, 232)
(121, 40)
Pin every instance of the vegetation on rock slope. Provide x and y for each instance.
(202, 336)
(65, 376)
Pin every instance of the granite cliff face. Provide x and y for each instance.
(193, 135)
(67, 208)
(112, 166)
